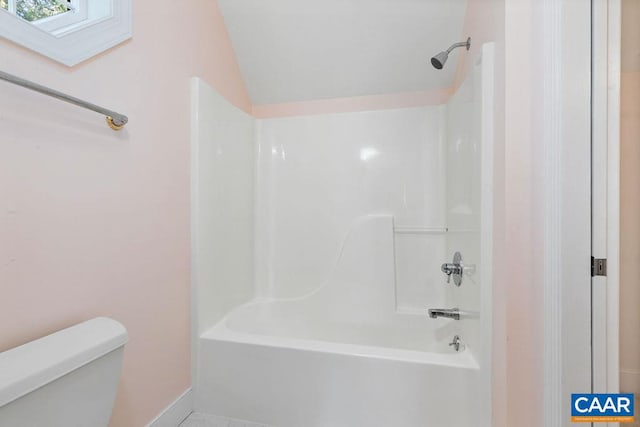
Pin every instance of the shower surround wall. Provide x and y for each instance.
(470, 190)
(317, 174)
(222, 165)
(353, 214)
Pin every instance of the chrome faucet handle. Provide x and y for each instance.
(447, 272)
(455, 269)
(455, 343)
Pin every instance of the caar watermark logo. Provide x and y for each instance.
(590, 408)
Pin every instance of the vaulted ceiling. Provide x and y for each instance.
(300, 50)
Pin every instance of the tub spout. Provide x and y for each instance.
(450, 313)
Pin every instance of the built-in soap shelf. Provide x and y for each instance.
(430, 230)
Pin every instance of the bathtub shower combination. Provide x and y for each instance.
(342, 271)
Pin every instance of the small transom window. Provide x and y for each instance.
(34, 10)
(50, 15)
(68, 31)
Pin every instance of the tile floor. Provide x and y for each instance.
(197, 419)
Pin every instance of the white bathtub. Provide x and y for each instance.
(341, 356)
(307, 382)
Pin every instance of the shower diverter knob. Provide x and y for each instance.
(454, 269)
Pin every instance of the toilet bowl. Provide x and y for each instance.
(66, 379)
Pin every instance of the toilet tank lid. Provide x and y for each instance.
(36, 363)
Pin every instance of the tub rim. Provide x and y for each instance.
(221, 332)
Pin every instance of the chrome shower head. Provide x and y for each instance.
(440, 59)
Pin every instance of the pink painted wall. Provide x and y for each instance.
(96, 223)
(524, 364)
(484, 22)
(518, 291)
(630, 200)
(630, 236)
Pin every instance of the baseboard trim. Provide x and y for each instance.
(176, 412)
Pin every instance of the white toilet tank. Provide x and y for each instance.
(66, 379)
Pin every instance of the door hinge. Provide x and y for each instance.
(598, 267)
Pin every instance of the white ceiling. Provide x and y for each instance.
(300, 50)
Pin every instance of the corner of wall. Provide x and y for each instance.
(225, 73)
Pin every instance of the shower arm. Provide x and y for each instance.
(466, 44)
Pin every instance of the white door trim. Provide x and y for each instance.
(565, 162)
(606, 192)
(552, 219)
(613, 195)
